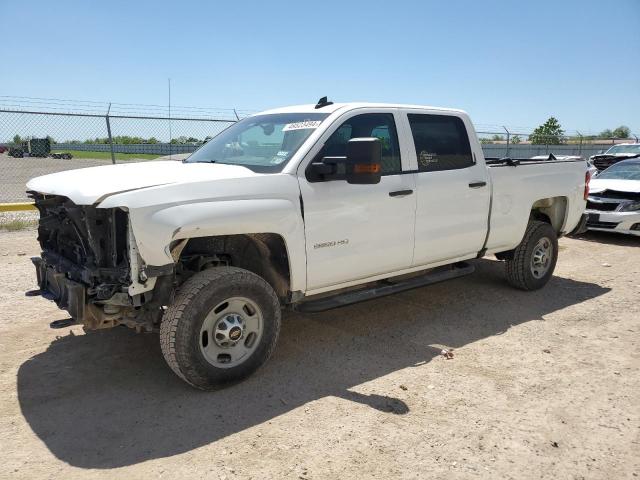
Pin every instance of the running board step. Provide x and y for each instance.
(383, 288)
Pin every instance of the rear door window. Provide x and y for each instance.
(441, 142)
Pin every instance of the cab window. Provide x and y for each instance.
(441, 142)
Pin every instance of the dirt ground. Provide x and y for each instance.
(542, 385)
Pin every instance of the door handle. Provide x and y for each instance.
(400, 193)
(477, 184)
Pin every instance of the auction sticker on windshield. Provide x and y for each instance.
(301, 125)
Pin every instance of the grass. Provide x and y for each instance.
(16, 225)
(107, 155)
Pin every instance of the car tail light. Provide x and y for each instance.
(587, 179)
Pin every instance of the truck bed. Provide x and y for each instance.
(518, 183)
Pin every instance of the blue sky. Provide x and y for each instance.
(505, 62)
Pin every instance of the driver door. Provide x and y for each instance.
(358, 231)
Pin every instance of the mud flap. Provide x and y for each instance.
(581, 227)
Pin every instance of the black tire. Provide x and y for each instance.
(519, 269)
(180, 330)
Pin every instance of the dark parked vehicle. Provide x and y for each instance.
(622, 151)
(62, 155)
(36, 147)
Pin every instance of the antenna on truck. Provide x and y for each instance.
(323, 102)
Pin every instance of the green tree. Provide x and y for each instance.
(622, 132)
(549, 133)
(17, 139)
(516, 139)
(605, 134)
(497, 138)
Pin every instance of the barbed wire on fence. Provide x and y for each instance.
(46, 105)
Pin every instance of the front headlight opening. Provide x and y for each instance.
(630, 207)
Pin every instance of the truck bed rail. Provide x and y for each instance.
(514, 162)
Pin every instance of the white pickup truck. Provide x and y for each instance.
(306, 207)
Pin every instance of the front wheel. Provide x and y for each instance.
(534, 260)
(222, 326)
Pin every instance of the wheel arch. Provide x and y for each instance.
(264, 254)
(552, 210)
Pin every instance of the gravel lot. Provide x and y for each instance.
(542, 385)
(17, 171)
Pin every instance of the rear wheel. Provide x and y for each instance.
(534, 260)
(222, 326)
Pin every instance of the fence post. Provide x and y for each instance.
(170, 132)
(547, 143)
(113, 155)
(508, 139)
(580, 145)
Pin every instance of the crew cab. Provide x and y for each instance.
(307, 207)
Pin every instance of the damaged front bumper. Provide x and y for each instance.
(91, 268)
(73, 297)
(78, 300)
(627, 223)
(67, 294)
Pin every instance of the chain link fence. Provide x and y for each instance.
(527, 145)
(34, 143)
(38, 143)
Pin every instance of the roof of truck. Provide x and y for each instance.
(352, 105)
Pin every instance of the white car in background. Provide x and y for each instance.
(615, 154)
(614, 200)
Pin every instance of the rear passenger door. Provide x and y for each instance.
(452, 189)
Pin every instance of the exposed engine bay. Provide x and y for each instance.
(87, 262)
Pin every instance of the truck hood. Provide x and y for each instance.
(600, 185)
(87, 186)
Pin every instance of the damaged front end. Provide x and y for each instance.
(605, 160)
(90, 266)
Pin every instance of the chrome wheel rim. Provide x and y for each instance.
(231, 332)
(541, 257)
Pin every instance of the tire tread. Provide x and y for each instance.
(517, 267)
(171, 335)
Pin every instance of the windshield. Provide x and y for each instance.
(262, 143)
(621, 171)
(624, 149)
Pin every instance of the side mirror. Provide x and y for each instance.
(364, 161)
